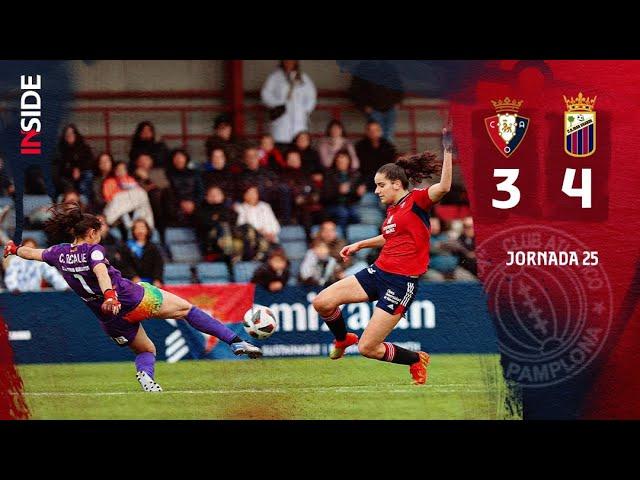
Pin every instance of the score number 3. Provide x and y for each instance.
(511, 175)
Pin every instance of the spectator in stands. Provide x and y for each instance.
(144, 141)
(311, 163)
(269, 155)
(335, 140)
(110, 243)
(37, 217)
(154, 181)
(467, 242)
(6, 183)
(328, 233)
(104, 169)
(258, 214)
(274, 274)
(377, 90)
(27, 276)
(276, 193)
(343, 188)
(443, 263)
(140, 259)
(224, 138)
(290, 96)
(4, 214)
(74, 162)
(215, 220)
(318, 267)
(124, 197)
(374, 151)
(305, 192)
(186, 186)
(217, 172)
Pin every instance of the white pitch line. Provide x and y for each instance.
(409, 389)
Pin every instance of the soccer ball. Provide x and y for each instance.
(260, 322)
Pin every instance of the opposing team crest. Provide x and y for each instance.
(506, 129)
(580, 126)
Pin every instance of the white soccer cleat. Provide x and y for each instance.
(147, 383)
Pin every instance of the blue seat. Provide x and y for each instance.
(294, 270)
(370, 199)
(243, 271)
(290, 233)
(370, 215)
(176, 273)
(216, 272)
(180, 235)
(360, 231)
(32, 202)
(38, 235)
(185, 252)
(4, 201)
(295, 250)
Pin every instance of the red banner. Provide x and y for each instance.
(226, 302)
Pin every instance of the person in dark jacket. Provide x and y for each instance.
(274, 192)
(274, 274)
(374, 151)
(74, 162)
(215, 221)
(342, 189)
(224, 138)
(144, 141)
(141, 260)
(311, 164)
(377, 90)
(186, 187)
(217, 172)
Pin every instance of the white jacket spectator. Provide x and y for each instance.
(289, 87)
(27, 275)
(259, 215)
(318, 267)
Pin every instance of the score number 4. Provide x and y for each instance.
(511, 175)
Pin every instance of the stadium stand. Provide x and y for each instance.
(177, 273)
(216, 272)
(242, 271)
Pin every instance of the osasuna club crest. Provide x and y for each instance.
(506, 129)
(580, 126)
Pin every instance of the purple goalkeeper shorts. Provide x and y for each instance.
(120, 331)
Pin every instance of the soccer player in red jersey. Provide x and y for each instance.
(393, 278)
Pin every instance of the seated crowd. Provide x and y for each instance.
(237, 201)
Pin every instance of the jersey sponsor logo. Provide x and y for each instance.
(580, 126)
(97, 255)
(506, 129)
(120, 340)
(371, 270)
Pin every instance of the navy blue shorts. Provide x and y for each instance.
(393, 292)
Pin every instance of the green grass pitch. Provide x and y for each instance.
(459, 387)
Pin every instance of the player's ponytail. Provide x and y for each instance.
(68, 222)
(412, 168)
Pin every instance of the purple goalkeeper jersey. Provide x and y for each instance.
(76, 263)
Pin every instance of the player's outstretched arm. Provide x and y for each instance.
(111, 303)
(440, 189)
(27, 253)
(374, 242)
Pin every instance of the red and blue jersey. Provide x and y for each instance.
(407, 233)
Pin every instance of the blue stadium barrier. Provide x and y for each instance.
(50, 327)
